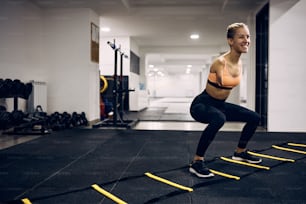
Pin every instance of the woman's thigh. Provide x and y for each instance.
(205, 113)
(238, 113)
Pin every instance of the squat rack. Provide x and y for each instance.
(117, 92)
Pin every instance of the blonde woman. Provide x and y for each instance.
(210, 107)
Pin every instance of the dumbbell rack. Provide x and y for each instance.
(27, 127)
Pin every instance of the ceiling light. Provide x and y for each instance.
(194, 36)
(188, 70)
(160, 73)
(189, 65)
(105, 29)
(151, 65)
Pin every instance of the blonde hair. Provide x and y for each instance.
(231, 29)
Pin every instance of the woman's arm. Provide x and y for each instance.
(217, 67)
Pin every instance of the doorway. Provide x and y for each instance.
(262, 43)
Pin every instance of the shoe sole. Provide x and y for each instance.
(191, 170)
(246, 160)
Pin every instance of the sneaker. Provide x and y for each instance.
(200, 170)
(245, 156)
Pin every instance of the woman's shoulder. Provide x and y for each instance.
(218, 62)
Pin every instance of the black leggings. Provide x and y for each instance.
(214, 112)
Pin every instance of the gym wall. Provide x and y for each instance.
(286, 94)
(51, 46)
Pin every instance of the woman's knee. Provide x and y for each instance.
(217, 120)
(255, 118)
(221, 119)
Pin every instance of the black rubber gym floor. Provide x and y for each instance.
(61, 167)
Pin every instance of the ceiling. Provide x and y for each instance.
(161, 28)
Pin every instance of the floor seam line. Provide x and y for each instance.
(126, 168)
(54, 174)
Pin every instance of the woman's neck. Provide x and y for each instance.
(233, 57)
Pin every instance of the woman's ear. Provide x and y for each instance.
(230, 41)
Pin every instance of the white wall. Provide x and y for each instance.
(107, 55)
(67, 40)
(72, 78)
(93, 78)
(51, 46)
(21, 47)
(179, 85)
(286, 94)
(139, 99)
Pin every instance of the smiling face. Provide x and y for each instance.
(239, 39)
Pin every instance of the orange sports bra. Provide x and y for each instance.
(228, 80)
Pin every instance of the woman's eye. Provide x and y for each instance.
(244, 36)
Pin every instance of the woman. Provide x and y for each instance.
(210, 106)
